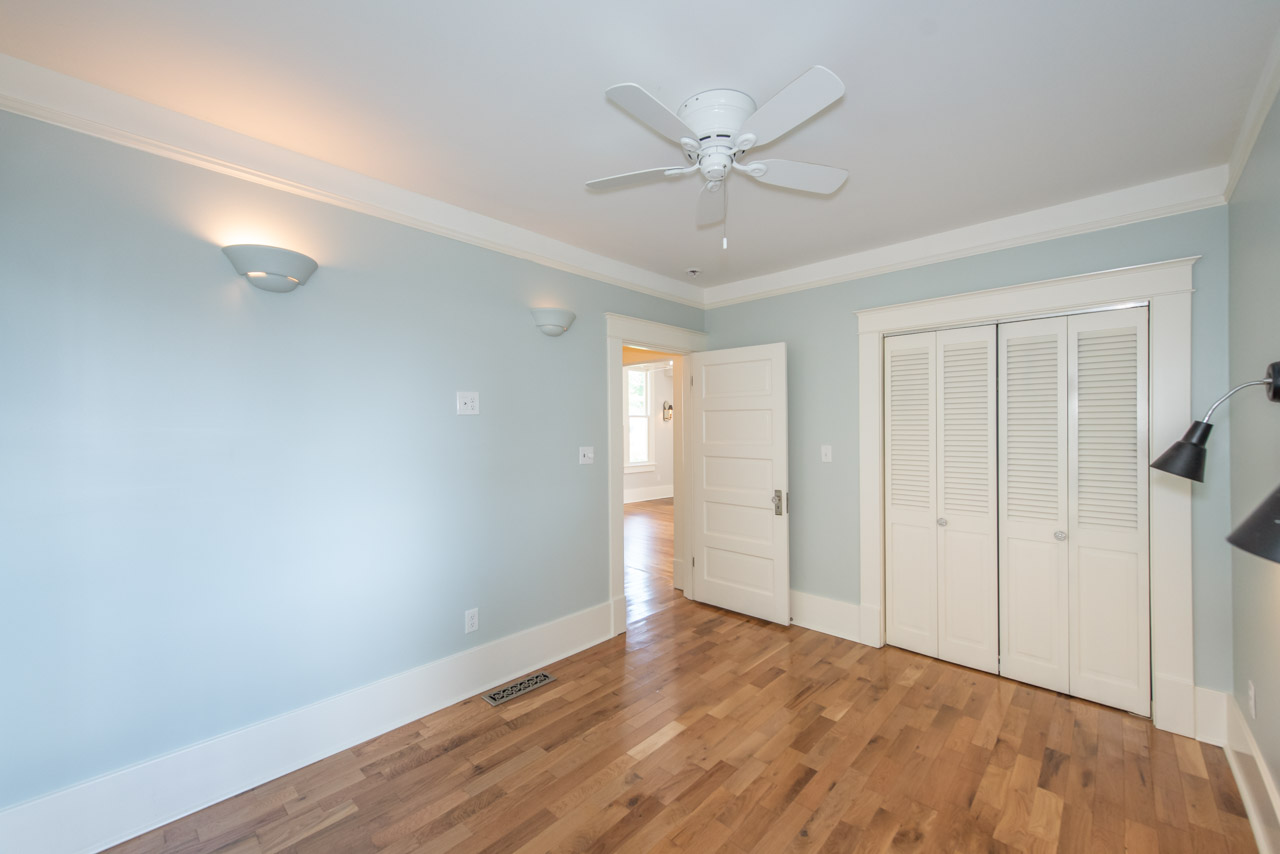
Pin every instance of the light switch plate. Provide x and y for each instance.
(468, 403)
(586, 456)
(826, 453)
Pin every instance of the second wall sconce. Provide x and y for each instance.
(270, 268)
(553, 321)
(668, 411)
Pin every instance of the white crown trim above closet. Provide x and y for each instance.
(1166, 288)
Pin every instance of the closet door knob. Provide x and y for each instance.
(942, 523)
(1059, 535)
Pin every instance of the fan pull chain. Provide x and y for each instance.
(724, 223)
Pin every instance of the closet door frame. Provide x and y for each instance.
(1165, 288)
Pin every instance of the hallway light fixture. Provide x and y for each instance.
(269, 267)
(1186, 457)
(553, 321)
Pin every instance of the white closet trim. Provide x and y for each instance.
(1166, 287)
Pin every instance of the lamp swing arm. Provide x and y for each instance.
(1223, 399)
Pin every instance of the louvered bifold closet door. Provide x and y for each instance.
(968, 619)
(1034, 505)
(1109, 555)
(910, 461)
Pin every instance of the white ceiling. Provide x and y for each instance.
(955, 114)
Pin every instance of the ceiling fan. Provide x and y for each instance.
(715, 128)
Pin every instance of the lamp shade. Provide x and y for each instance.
(1259, 534)
(269, 267)
(553, 321)
(1186, 457)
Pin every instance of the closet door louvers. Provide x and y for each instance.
(1034, 507)
(911, 570)
(968, 626)
(1110, 633)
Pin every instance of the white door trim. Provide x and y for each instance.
(1166, 288)
(621, 330)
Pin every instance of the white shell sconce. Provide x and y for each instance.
(553, 321)
(269, 267)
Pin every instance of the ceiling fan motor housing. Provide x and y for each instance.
(717, 116)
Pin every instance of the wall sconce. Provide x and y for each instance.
(1185, 457)
(270, 268)
(1259, 534)
(553, 321)
(668, 411)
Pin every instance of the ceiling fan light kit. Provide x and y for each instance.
(715, 128)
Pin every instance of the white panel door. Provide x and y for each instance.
(738, 454)
(1034, 508)
(1110, 630)
(911, 520)
(968, 594)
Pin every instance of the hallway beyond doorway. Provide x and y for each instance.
(647, 540)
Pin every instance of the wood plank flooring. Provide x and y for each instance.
(648, 534)
(705, 731)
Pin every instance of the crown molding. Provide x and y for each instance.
(48, 96)
(1180, 194)
(40, 93)
(1264, 96)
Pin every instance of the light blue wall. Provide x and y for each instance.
(1255, 427)
(218, 504)
(820, 330)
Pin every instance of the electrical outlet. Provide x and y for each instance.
(586, 456)
(826, 453)
(471, 620)
(1253, 702)
(468, 403)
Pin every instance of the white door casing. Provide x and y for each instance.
(1166, 288)
(1034, 509)
(1109, 612)
(968, 622)
(621, 330)
(910, 465)
(737, 455)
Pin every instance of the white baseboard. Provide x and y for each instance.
(102, 812)
(1174, 705)
(618, 611)
(647, 493)
(829, 616)
(1256, 782)
(1211, 716)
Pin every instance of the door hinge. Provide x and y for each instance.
(691, 381)
(788, 502)
(695, 561)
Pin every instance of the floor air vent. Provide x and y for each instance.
(499, 696)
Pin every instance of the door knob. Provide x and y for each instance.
(1059, 535)
(777, 502)
(942, 523)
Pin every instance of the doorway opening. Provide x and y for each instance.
(650, 423)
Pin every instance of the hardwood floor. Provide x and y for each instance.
(648, 533)
(705, 731)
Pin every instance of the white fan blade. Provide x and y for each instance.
(801, 100)
(644, 176)
(649, 110)
(795, 175)
(711, 203)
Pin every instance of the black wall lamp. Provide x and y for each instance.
(1259, 534)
